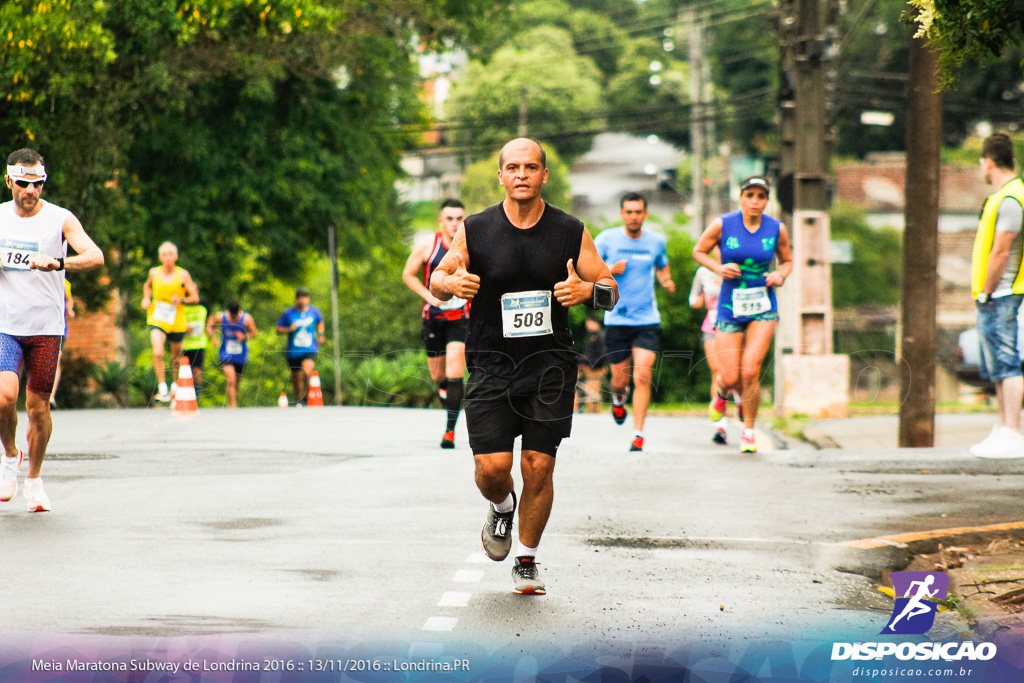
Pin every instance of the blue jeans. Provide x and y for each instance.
(997, 336)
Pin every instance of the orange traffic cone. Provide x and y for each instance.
(314, 397)
(185, 398)
(282, 400)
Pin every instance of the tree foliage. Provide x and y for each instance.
(562, 92)
(871, 71)
(978, 31)
(239, 129)
(875, 273)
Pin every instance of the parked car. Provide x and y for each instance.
(968, 356)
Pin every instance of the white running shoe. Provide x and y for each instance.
(9, 477)
(36, 496)
(981, 447)
(1007, 444)
(162, 397)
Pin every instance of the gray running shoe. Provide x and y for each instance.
(526, 577)
(496, 536)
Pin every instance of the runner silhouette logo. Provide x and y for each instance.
(916, 594)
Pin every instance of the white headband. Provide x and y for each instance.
(20, 171)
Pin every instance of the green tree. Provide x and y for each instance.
(872, 67)
(875, 273)
(650, 94)
(743, 56)
(978, 31)
(480, 187)
(240, 129)
(562, 92)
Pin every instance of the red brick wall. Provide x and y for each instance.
(863, 184)
(95, 334)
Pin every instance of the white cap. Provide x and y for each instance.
(20, 171)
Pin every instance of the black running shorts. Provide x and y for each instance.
(173, 337)
(196, 357)
(438, 333)
(538, 407)
(295, 362)
(620, 340)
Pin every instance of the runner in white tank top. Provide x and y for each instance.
(33, 239)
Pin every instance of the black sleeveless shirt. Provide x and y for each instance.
(510, 259)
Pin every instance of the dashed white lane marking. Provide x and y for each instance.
(458, 598)
(454, 599)
(468, 576)
(440, 624)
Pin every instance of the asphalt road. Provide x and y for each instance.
(350, 525)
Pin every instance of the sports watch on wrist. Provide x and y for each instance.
(983, 298)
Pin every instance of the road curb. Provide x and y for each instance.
(893, 554)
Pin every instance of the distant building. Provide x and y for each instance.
(876, 186)
(434, 172)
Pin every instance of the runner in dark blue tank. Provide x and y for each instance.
(236, 328)
(523, 263)
(747, 308)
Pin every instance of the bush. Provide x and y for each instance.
(681, 373)
(113, 381)
(398, 379)
(76, 373)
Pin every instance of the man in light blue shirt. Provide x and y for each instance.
(633, 327)
(304, 326)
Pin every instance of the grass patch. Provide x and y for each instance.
(793, 425)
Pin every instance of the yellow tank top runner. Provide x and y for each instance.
(986, 235)
(162, 313)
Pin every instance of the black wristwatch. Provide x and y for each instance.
(60, 264)
(983, 298)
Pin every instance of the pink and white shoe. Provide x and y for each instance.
(9, 476)
(35, 496)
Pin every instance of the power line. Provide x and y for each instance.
(703, 21)
(480, 123)
(675, 124)
(726, 20)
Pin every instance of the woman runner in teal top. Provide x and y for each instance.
(747, 307)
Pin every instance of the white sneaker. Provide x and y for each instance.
(9, 478)
(36, 496)
(986, 442)
(1008, 444)
(162, 397)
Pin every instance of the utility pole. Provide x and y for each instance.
(696, 57)
(717, 175)
(335, 327)
(920, 250)
(522, 112)
(809, 378)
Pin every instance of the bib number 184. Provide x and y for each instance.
(17, 254)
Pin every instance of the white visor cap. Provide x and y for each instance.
(20, 171)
